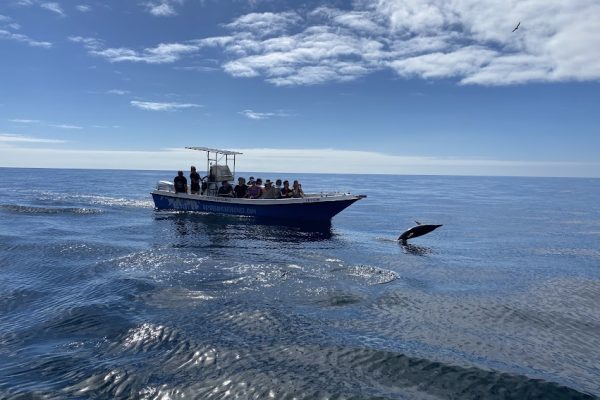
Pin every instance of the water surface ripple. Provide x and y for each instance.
(103, 297)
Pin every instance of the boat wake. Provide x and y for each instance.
(95, 200)
(23, 209)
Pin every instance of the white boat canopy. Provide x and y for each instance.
(217, 163)
(224, 152)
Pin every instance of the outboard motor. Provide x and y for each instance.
(165, 186)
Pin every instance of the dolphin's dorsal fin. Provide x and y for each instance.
(417, 222)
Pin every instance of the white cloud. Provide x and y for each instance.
(12, 138)
(84, 8)
(66, 126)
(4, 34)
(88, 43)
(265, 24)
(293, 161)
(37, 121)
(470, 41)
(118, 92)
(25, 121)
(162, 8)
(263, 115)
(162, 53)
(105, 127)
(154, 106)
(54, 7)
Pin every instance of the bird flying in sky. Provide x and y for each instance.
(517, 27)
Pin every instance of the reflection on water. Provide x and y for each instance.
(127, 302)
(222, 228)
(414, 249)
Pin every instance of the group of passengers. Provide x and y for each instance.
(253, 190)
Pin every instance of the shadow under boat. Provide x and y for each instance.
(249, 227)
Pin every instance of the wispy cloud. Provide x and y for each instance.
(263, 115)
(87, 42)
(162, 8)
(265, 24)
(469, 41)
(66, 126)
(105, 127)
(83, 8)
(161, 54)
(25, 121)
(54, 7)
(12, 138)
(44, 123)
(154, 106)
(293, 161)
(4, 34)
(118, 92)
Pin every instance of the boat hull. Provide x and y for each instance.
(312, 209)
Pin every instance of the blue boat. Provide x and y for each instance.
(319, 207)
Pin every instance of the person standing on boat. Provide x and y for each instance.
(226, 190)
(194, 181)
(241, 188)
(180, 183)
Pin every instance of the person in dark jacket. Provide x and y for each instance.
(240, 189)
(180, 183)
(194, 181)
(226, 190)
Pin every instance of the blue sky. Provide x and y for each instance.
(415, 87)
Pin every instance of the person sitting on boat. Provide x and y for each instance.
(194, 181)
(278, 186)
(241, 188)
(226, 190)
(297, 190)
(254, 192)
(269, 192)
(259, 183)
(180, 183)
(287, 190)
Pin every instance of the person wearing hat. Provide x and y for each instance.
(241, 188)
(269, 192)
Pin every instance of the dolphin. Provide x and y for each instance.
(416, 231)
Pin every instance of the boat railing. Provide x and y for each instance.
(331, 194)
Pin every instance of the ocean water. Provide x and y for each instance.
(103, 297)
